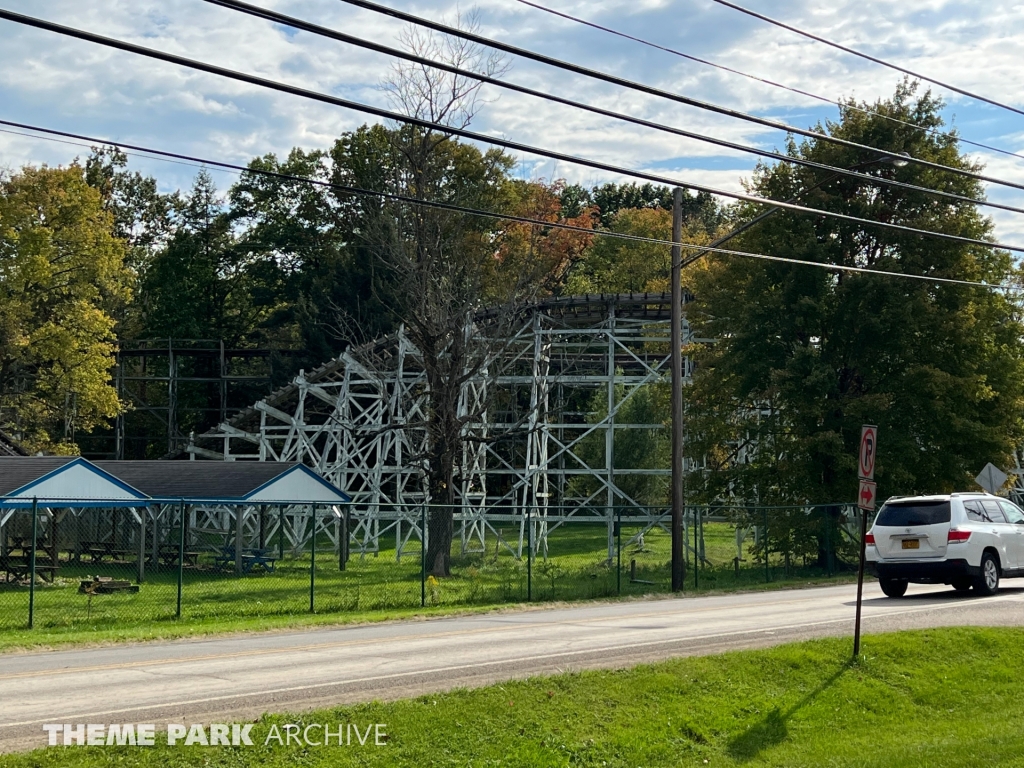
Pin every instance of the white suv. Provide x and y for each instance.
(964, 539)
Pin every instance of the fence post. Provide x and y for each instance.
(32, 564)
(529, 556)
(312, 563)
(181, 554)
(143, 511)
(827, 519)
(343, 540)
(423, 558)
(696, 548)
(618, 551)
(767, 572)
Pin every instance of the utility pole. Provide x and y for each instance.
(678, 486)
(678, 500)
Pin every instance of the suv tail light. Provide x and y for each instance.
(869, 538)
(955, 535)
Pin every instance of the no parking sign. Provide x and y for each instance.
(868, 448)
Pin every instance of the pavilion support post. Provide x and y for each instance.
(79, 521)
(239, 518)
(280, 532)
(312, 564)
(53, 550)
(142, 512)
(154, 559)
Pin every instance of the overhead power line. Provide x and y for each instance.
(359, 191)
(766, 81)
(472, 135)
(876, 60)
(641, 88)
(316, 29)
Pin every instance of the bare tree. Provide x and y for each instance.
(442, 264)
(435, 95)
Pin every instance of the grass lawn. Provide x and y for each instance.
(946, 697)
(372, 588)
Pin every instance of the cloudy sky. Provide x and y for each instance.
(65, 84)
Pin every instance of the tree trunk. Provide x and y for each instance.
(445, 430)
(440, 532)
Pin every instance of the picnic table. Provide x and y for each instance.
(19, 567)
(251, 558)
(96, 551)
(23, 544)
(168, 554)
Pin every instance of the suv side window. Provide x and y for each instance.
(1012, 512)
(979, 511)
(975, 512)
(995, 515)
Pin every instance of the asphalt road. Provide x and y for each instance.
(231, 678)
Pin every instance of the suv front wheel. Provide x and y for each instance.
(893, 587)
(987, 582)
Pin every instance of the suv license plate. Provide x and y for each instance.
(911, 544)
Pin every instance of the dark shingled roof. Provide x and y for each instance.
(196, 479)
(16, 471)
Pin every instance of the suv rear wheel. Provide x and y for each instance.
(987, 582)
(893, 587)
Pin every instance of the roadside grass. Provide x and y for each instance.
(372, 588)
(943, 697)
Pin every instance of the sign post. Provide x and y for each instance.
(865, 503)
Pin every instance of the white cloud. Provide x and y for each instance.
(73, 85)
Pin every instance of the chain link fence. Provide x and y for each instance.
(94, 569)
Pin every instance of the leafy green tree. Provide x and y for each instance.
(804, 356)
(614, 265)
(611, 198)
(637, 448)
(143, 220)
(201, 285)
(143, 217)
(62, 273)
(298, 244)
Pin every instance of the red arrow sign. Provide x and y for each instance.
(866, 496)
